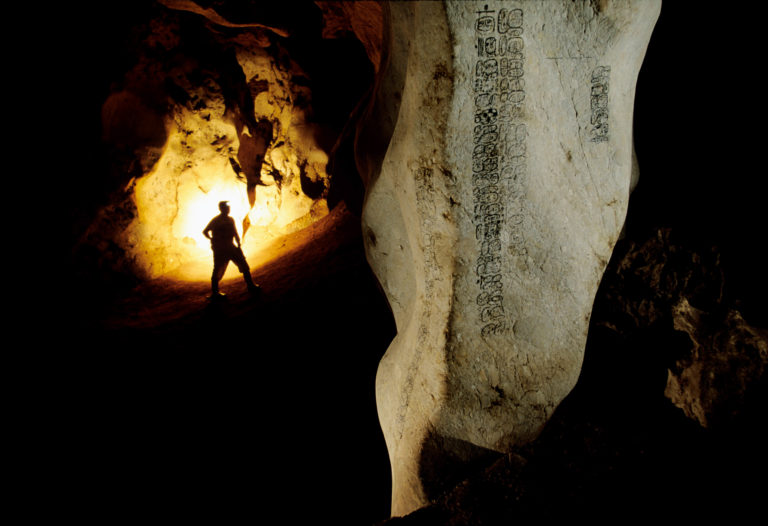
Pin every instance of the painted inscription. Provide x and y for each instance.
(599, 104)
(498, 155)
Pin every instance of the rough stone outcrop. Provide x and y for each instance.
(202, 115)
(676, 289)
(727, 362)
(491, 218)
(363, 18)
(665, 322)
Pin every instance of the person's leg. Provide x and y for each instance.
(220, 262)
(242, 265)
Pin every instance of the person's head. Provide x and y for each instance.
(224, 207)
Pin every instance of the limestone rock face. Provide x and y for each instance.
(726, 362)
(492, 216)
(672, 294)
(207, 110)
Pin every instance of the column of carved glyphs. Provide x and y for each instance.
(490, 220)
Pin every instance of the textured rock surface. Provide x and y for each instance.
(716, 360)
(363, 18)
(178, 417)
(726, 362)
(208, 105)
(503, 190)
(617, 442)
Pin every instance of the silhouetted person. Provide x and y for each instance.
(222, 231)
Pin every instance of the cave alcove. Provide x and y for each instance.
(190, 415)
(183, 407)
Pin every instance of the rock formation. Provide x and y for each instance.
(488, 237)
(666, 329)
(715, 359)
(492, 216)
(208, 109)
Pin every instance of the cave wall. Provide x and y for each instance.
(200, 107)
(713, 195)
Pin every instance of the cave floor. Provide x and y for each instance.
(297, 261)
(188, 408)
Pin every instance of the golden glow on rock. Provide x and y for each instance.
(181, 195)
(172, 219)
(198, 208)
(185, 179)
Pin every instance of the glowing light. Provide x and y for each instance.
(175, 203)
(200, 207)
(181, 195)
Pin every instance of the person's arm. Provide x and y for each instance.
(207, 230)
(234, 229)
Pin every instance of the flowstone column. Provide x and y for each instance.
(492, 216)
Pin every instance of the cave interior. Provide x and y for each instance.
(180, 407)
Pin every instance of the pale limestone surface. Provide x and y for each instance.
(492, 216)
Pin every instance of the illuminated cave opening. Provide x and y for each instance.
(224, 102)
(191, 405)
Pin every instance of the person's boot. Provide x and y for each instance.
(253, 288)
(215, 294)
